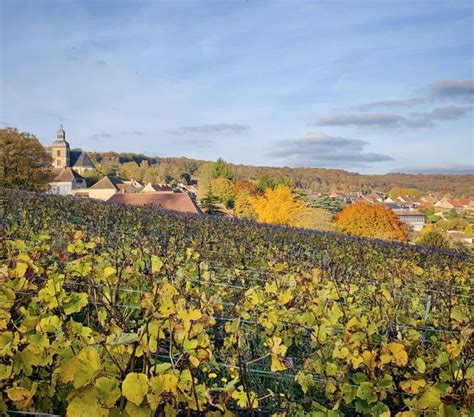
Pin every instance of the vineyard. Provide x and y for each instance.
(116, 311)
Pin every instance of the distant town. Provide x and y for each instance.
(420, 212)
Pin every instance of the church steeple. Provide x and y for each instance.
(61, 134)
(60, 151)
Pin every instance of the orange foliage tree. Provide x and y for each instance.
(368, 220)
(278, 206)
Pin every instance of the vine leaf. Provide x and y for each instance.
(135, 387)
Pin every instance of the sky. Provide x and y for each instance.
(366, 86)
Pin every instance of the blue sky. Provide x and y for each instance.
(368, 86)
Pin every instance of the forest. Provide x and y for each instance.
(315, 179)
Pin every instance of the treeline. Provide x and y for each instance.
(314, 179)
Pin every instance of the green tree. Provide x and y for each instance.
(265, 182)
(24, 162)
(209, 203)
(326, 203)
(185, 178)
(221, 169)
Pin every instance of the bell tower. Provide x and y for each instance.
(60, 150)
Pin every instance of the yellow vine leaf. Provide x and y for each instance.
(412, 386)
(395, 353)
(242, 400)
(18, 394)
(453, 348)
(420, 365)
(108, 391)
(85, 404)
(135, 387)
(187, 316)
(285, 296)
(430, 399)
(156, 264)
(136, 411)
(369, 359)
(271, 288)
(108, 271)
(87, 364)
(278, 353)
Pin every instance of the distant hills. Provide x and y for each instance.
(317, 179)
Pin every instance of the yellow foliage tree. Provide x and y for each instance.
(242, 207)
(371, 220)
(403, 192)
(278, 206)
(222, 188)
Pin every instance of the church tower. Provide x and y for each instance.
(60, 150)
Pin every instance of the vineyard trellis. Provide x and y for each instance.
(212, 317)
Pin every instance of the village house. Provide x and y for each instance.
(103, 189)
(428, 200)
(458, 204)
(408, 200)
(181, 202)
(66, 181)
(415, 219)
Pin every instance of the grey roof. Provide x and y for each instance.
(80, 159)
(65, 175)
(393, 206)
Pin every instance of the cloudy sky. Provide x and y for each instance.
(373, 87)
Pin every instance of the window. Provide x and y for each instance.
(58, 162)
(58, 153)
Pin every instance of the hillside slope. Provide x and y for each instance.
(112, 310)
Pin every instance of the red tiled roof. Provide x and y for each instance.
(459, 202)
(176, 201)
(160, 188)
(107, 183)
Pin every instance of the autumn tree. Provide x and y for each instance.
(243, 191)
(396, 192)
(245, 186)
(223, 189)
(371, 220)
(24, 162)
(130, 171)
(278, 206)
(242, 207)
